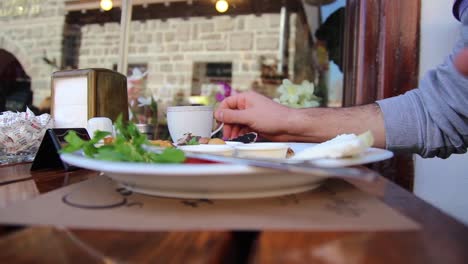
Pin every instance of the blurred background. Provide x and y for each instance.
(180, 52)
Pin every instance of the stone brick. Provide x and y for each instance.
(216, 46)
(157, 37)
(162, 58)
(144, 38)
(240, 23)
(98, 51)
(211, 36)
(255, 66)
(267, 43)
(112, 27)
(155, 78)
(274, 20)
(167, 67)
(169, 36)
(207, 27)
(257, 22)
(37, 32)
(135, 26)
(92, 61)
(178, 57)
(96, 29)
(172, 48)
(195, 32)
(163, 25)
(241, 41)
(182, 67)
(84, 52)
(112, 38)
(192, 47)
(143, 49)
(154, 23)
(224, 24)
(156, 48)
(248, 56)
(174, 79)
(182, 32)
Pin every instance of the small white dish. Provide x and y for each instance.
(224, 150)
(234, 143)
(262, 150)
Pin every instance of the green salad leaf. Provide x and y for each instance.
(127, 146)
(193, 141)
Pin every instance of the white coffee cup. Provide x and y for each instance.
(197, 120)
(99, 123)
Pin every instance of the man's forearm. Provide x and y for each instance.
(320, 124)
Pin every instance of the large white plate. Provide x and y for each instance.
(371, 155)
(212, 181)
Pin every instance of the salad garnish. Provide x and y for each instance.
(126, 146)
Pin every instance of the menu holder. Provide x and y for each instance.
(79, 95)
(48, 156)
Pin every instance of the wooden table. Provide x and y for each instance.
(440, 240)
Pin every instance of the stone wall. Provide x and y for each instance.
(171, 47)
(30, 35)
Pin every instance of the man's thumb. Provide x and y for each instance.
(461, 62)
(230, 116)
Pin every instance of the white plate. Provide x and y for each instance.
(371, 155)
(210, 181)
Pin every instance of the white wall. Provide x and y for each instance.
(443, 183)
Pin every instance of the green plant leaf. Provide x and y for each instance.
(127, 146)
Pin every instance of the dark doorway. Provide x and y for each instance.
(15, 84)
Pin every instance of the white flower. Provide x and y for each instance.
(137, 74)
(142, 101)
(297, 96)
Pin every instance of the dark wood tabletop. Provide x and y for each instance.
(441, 239)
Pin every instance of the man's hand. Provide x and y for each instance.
(250, 111)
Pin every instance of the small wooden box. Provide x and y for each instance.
(78, 95)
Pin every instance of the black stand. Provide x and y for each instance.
(48, 156)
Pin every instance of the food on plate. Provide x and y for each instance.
(346, 145)
(126, 146)
(216, 141)
(270, 150)
(223, 150)
(189, 139)
(161, 143)
(246, 138)
(289, 153)
(108, 140)
(203, 140)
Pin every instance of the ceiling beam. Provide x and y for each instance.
(78, 5)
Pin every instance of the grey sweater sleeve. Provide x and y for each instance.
(433, 119)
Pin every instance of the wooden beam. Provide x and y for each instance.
(178, 9)
(78, 5)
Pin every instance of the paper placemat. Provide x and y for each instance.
(99, 203)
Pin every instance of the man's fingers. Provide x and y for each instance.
(227, 131)
(231, 116)
(234, 102)
(461, 62)
(235, 131)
